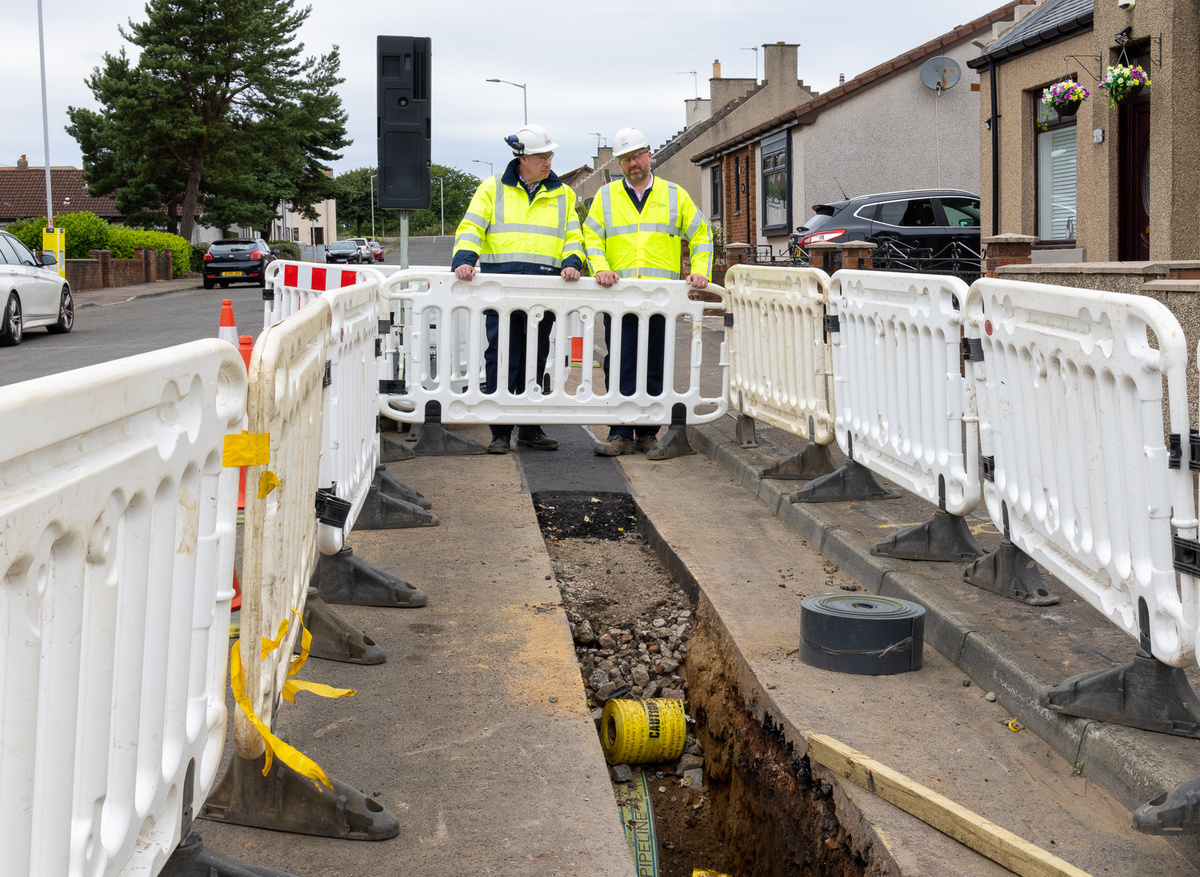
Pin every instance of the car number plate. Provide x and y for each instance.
(231, 273)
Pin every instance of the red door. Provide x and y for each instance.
(1133, 197)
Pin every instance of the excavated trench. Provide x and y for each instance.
(755, 809)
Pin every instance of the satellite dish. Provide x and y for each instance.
(940, 73)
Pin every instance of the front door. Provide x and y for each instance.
(1133, 197)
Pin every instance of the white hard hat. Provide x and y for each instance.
(530, 140)
(629, 140)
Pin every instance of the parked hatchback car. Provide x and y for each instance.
(241, 260)
(924, 229)
(364, 249)
(343, 251)
(33, 293)
(376, 250)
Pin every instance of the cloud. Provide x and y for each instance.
(587, 67)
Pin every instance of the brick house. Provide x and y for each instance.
(884, 130)
(23, 193)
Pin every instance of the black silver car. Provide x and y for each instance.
(343, 251)
(241, 260)
(929, 230)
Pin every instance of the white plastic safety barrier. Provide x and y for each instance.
(573, 393)
(780, 358)
(279, 552)
(900, 397)
(1071, 420)
(351, 443)
(116, 575)
(295, 284)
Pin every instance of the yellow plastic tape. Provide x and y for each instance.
(268, 482)
(246, 449)
(293, 758)
(642, 731)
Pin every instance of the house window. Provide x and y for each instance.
(296, 233)
(1056, 183)
(737, 186)
(775, 183)
(715, 174)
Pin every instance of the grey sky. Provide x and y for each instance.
(587, 67)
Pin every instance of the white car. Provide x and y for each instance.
(33, 295)
(364, 250)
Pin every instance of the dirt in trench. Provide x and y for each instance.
(757, 812)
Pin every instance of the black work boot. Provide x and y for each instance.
(533, 437)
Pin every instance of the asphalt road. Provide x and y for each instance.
(153, 319)
(149, 322)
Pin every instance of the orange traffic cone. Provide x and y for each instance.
(237, 593)
(245, 348)
(228, 329)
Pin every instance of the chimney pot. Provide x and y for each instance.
(22, 162)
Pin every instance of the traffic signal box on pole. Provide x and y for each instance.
(404, 132)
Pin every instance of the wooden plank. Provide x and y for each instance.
(1000, 845)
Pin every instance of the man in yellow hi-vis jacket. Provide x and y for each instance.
(522, 221)
(635, 228)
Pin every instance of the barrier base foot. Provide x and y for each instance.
(852, 482)
(285, 800)
(945, 537)
(400, 490)
(392, 448)
(744, 432)
(336, 639)
(387, 508)
(1173, 812)
(1010, 572)
(813, 462)
(192, 859)
(434, 441)
(1145, 693)
(673, 444)
(345, 579)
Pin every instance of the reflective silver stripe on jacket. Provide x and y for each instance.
(670, 227)
(536, 259)
(499, 226)
(656, 273)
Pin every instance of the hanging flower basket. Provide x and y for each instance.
(1062, 97)
(1123, 81)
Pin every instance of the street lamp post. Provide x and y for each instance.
(524, 95)
(371, 186)
(491, 170)
(442, 197)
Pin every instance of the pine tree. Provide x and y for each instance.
(221, 113)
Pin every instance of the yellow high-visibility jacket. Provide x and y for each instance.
(647, 244)
(510, 234)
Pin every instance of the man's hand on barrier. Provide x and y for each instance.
(699, 281)
(570, 274)
(464, 272)
(607, 278)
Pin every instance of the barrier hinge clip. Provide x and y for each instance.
(384, 327)
(378, 347)
(728, 320)
(832, 323)
(987, 467)
(391, 388)
(331, 509)
(972, 350)
(1193, 450)
(328, 379)
(1187, 555)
